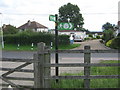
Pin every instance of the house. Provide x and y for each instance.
(33, 25)
(96, 34)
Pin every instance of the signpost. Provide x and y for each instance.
(65, 26)
(59, 26)
(52, 18)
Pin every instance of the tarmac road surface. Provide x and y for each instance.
(63, 58)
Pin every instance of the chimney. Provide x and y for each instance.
(28, 22)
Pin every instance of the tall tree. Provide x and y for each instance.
(108, 26)
(71, 13)
(108, 31)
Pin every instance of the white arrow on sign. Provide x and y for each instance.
(70, 25)
(65, 26)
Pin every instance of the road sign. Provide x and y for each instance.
(65, 26)
(52, 18)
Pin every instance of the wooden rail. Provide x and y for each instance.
(44, 75)
(42, 67)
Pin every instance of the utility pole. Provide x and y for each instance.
(1, 33)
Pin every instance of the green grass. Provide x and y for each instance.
(95, 83)
(71, 46)
(12, 47)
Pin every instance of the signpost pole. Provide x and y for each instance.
(56, 46)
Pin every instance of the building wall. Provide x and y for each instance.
(81, 34)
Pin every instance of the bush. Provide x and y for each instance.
(88, 38)
(90, 35)
(114, 43)
(9, 29)
(64, 40)
(108, 44)
(107, 35)
(26, 38)
(98, 37)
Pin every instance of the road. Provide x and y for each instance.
(94, 44)
(63, 58)
(69, 57)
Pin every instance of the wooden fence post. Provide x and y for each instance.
(38, 66)
(40, 71)
(87, 56)
(47, 70)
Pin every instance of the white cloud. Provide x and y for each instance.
(95, 12)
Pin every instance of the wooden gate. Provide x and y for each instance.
(23, 75)
(42, 68)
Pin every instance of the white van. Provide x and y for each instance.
(78, 38)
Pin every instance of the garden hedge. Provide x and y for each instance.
(27, 39)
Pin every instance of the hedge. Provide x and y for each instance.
(114, 43)
(27, 39)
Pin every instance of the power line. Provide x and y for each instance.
(38, 14)
(25, 14)
(99, 13)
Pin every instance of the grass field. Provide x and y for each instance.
(95, 83)
(29, 47)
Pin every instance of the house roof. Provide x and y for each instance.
(32, 25)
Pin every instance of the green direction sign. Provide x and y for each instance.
(52, 18)
(65, 26)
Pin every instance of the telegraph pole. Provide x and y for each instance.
(1, 33)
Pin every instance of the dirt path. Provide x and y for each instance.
(95, 44)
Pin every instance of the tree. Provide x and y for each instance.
(108, 26)
(71, 13)
(108, 31)
(9, 29)
(108, 35)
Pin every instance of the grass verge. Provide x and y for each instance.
(11, 47)
(94, 83)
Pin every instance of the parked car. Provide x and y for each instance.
(78, 38)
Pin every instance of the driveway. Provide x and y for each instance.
(95, 44)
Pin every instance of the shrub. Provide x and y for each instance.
(26, 38)
(114, 43)
(64, 40)
(98, 37)
(88, 38)
(108, 44)
(107, 35)
(90, 35)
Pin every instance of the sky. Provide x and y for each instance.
(95, 12)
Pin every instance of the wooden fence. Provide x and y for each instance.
(6, 78)
(42, 67)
